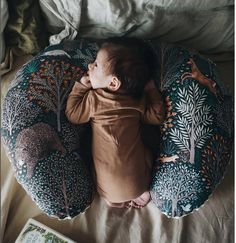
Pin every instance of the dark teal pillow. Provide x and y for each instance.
(197, 135)
(50, 156)
(52, 159)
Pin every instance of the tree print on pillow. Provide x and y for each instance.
(193, 120)
(35, 143)
(197, 134)
(50, 85)
(17, 111)
(215, 157)
(223, 113)
(176, 188)
(169, 56)
(196, 137)
(44, 148)
(86, 55)
(81, 51)
(61, 185)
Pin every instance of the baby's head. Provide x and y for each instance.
(122, 64)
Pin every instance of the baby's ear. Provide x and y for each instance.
(114, 84)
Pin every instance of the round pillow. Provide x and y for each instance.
(50, 156)
(197, 135)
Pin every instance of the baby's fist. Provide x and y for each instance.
(85, 81)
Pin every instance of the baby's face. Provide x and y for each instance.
(97, 71)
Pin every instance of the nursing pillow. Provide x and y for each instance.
(51, 157)
(197, 134)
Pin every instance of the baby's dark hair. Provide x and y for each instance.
(132, 61)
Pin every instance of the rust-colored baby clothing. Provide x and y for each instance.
(122, 162)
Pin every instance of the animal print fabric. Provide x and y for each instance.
(51, 157)
(197, 135)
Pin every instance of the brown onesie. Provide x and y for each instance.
(122, 162)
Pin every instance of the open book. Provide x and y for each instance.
(35, 232)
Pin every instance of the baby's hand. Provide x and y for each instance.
(86, 81)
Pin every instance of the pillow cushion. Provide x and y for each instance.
(46, 151)
(197, 135)
(51, 157)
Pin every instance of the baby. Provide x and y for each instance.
(117, 96)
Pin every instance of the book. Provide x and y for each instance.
(36, 232)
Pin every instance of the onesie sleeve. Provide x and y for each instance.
(79, 104)
(154, 112)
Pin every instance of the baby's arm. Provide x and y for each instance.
(79, 103)
(155, 109)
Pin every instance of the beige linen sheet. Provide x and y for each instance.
(212, 223)
(202, 24)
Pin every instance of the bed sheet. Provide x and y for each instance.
(214, 222)
(202, 24)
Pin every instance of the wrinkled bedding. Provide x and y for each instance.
(207, 26)
(204, 25)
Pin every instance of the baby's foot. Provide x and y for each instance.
(140, 201)
(116, 205)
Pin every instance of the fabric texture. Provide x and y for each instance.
(122, 163)
(196, 138)
(44, 148)
(25, 32)
(214, 222)
(63, 18)
(3, 18)
(197, 135)
(204, 25)
(7, 63)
